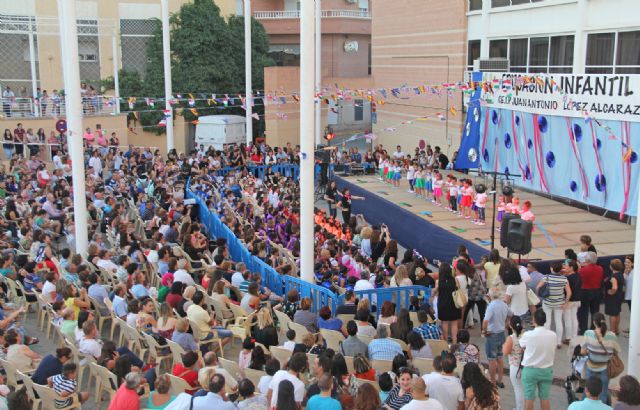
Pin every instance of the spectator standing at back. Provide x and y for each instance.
(493, 328)
(537, 361)
(592, 276)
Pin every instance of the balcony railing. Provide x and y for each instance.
(295, 14)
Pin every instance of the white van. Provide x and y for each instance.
(218, 130)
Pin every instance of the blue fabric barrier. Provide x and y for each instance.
(279, 284)
(401, 296)
(409, 229)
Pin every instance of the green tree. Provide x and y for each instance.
(259, 49)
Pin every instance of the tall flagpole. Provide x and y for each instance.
(248, 101)
(73, 106)
(166, 56)
(307, 162)
(318, 105)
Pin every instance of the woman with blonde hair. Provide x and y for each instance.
(218, 294)
(401, 277)
(264, 331)
(365, 243)
(166, 322)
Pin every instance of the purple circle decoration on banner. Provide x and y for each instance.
(598, 143)
(529, 143)
(527, 173)
(517, 120)
(633, 158)
(494, 116)
(506, 170)
(573, 186)
(543, 125)
(485, 155)
(577, 132)
(600, 182)
(422, 144)
(507, 140)
(551, 159)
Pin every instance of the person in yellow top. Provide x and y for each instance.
(492, 268)
(204, 321)
(75, 301)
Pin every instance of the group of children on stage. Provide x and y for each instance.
(456, 195)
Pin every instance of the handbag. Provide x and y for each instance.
(459, 298)
(615, 366)
(532, 298)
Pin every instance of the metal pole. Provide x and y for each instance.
(116, 75)
(634, 322)
(34, 77)
(493, 217)
(307, 161)
(248, 101)
(166, 53)
(318, 104)
(71, 72)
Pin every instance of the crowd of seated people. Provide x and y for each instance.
(176, 295)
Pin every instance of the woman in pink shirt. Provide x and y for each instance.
(89, 137)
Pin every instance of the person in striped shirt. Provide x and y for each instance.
(65, 385)
(556, 300)
(599, 345)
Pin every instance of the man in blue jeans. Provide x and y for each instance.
(493, 328)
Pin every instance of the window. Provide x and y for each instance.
(518, 52)
(505, 3)
(473, 53)
(538, 54)
(498, 48)
(358, 110)
(475, 5)
(609, 53)
(561, 54)
(628, 53)
(285, 54)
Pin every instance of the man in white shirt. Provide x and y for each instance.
(89, 345)
(539, 347)
(420, 399)
(181, 275)
(445, 387)
(105, 261)
(238, 277)
(297, 364)
(96, 163)
(398, 154)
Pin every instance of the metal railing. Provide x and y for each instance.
(54, 106)
(295, 14)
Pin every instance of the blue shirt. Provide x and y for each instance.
(331, 324)
(384, 349)
(496, 316)
(98, 292)
(319, 402)
(212, 401)
(589, 404)
(185, 340)
(139, 291)
(120, 307)
(429, 331)
(49, 366)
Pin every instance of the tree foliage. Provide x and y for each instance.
(207, 56)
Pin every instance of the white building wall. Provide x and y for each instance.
(553, 17)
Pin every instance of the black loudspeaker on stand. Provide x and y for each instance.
(515, 234)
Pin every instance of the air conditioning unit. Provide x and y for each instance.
(500, 65)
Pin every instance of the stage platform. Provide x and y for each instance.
(405, 214)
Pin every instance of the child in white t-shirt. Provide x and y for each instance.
(481, 204)
(411, 176)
